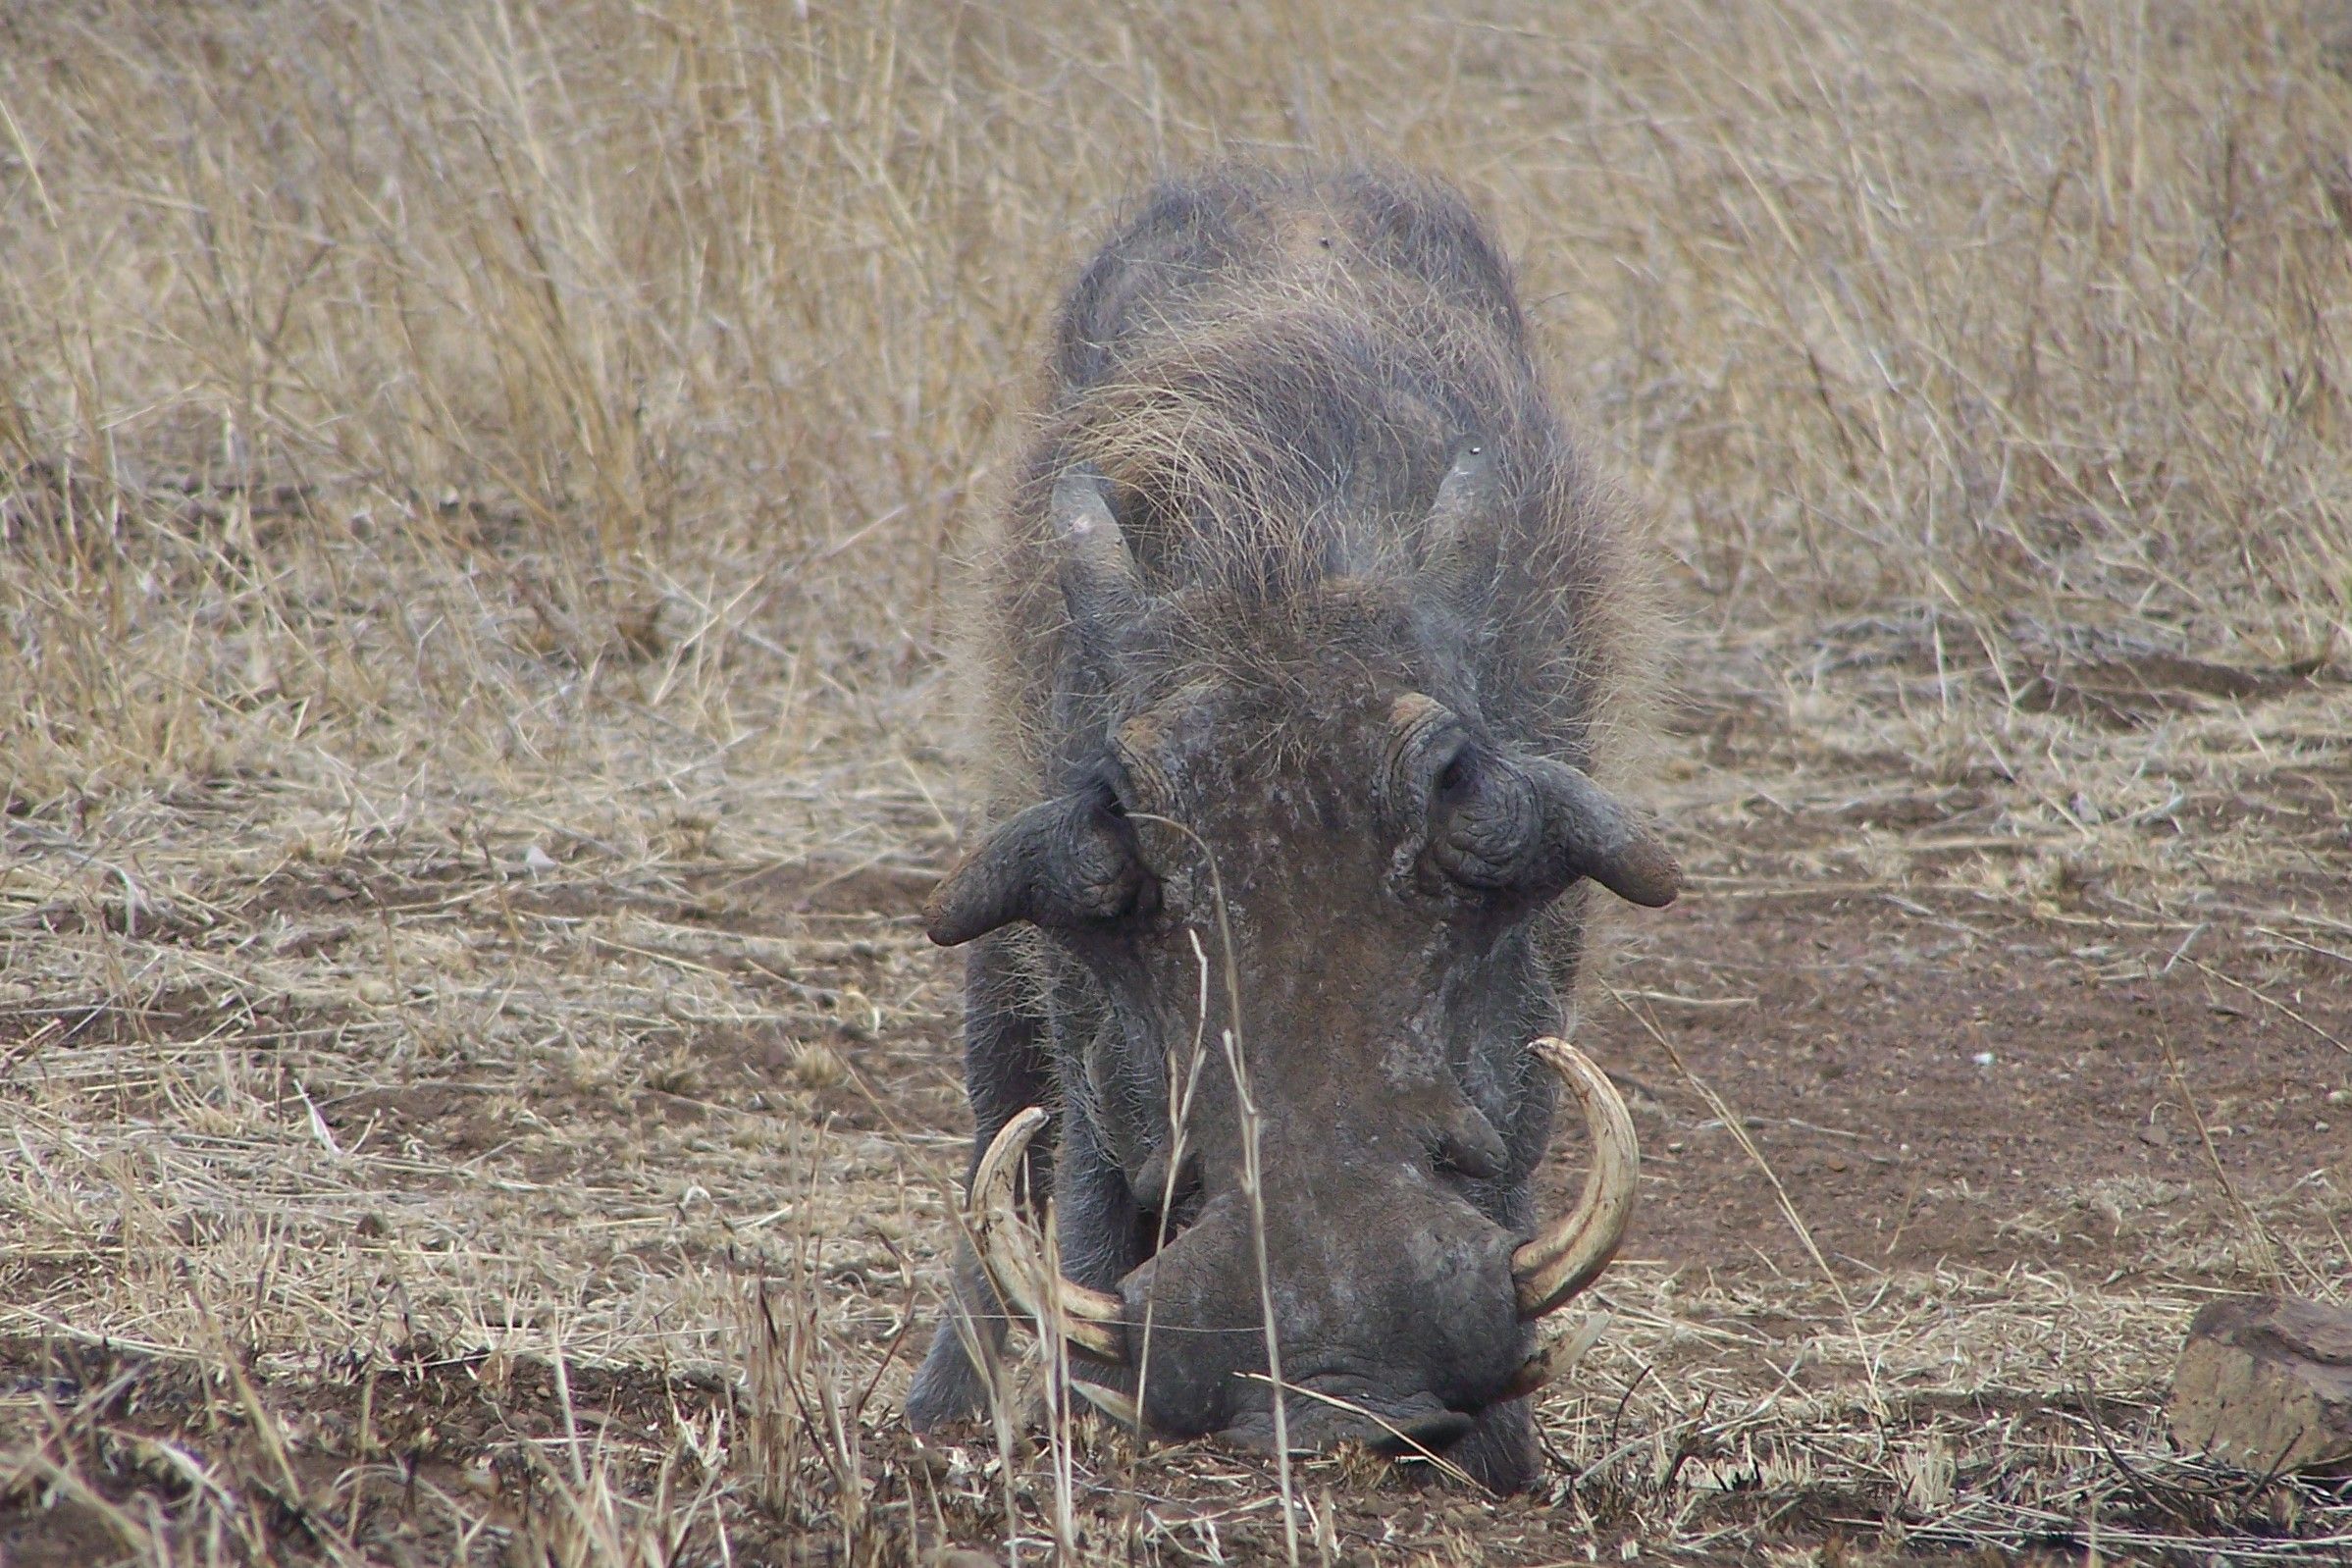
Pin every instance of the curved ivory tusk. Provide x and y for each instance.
(1569, 1254)
(1092, 1321)
(1110, 1401)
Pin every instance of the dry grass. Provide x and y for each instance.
(473, 490)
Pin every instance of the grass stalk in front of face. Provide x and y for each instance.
(1253, 1192)
(1181, 1087)
(1054, 1352)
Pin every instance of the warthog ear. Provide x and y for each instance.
(1460, 557)
(1062, 864)
(1099, 583)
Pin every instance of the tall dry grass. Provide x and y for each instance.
(358, 360)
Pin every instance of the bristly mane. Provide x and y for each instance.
(1274, 370)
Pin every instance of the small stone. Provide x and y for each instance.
(2266, 1385)
(1983, 1059)
(2339, 1096)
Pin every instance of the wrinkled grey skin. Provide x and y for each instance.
(1348, 676)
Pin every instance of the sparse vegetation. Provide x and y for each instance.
(474, 489)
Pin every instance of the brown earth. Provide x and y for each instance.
(1949, 1120)
(1947, 1088)
(1925, 1075)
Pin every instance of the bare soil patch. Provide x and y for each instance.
(1939, 1082)
(2022, 1137)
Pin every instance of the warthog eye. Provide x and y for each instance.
(1502, 820)
(1486, 824)
(1098, 870)
(1458, 777)
(1112, 786)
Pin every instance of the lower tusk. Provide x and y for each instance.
(1558, 1357)
(1091, 1320)
(1110, 1401)
(1569, 1254)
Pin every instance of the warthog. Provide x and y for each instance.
(1296, 638)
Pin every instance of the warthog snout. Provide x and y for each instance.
(1396, 1318)
(1399, 1314)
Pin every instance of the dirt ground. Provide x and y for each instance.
(1983, 1156)
(1938, 1084)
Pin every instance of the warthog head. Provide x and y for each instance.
(1294, 904)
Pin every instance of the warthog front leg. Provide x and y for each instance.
(1006, 1069)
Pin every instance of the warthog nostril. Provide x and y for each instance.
(1433, 1433)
